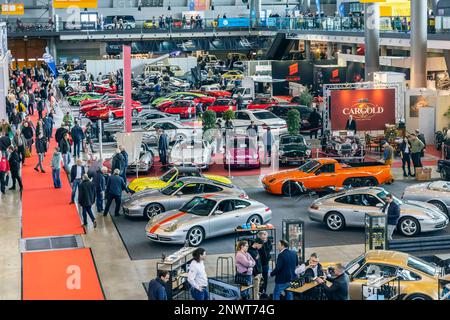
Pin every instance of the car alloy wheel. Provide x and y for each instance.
(335, 221)
(152, 210)
(255, 219)
(195, 236)
(409, 226)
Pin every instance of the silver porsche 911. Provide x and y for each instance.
(436, 193)
(150, 202)
(206, 217)
(348, 208)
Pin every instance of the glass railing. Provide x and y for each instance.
(343, 24)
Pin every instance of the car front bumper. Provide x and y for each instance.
(430, 225)
(167, 237)
(132, 211)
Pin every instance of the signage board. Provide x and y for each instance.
(13, 9)
(297, 71)
(370, 108)
(62, 4)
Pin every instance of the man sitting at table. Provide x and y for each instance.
(340, 284)
(311, 268)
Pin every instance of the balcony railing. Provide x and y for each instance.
(343, 24)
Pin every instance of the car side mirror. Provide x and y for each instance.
(218, 212)
(379, 205)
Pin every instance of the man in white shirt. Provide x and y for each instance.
(197, 277)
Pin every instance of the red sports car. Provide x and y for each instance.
(114, 103)
(204, 100)
(222, 105)
(262, 103)
(105, 88)
(244, 153)
(105, 97)
(114, 107)
(185, 108)
(218, 93)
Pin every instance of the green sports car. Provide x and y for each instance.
(77, 98)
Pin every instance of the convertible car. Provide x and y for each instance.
(173, 174)
(151, 202)
(318, 174)
(206, 217)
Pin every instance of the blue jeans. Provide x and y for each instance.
(200, 295)
(75, 184)
(87, 211)
(66, 160)
(56, 178)
(99, 201)
(77, 148)
(280, 287)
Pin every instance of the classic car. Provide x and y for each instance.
(342, 144)
(185, 108)
(419, 280)
(143, 165)
(174, 129)
(173, 174)
(196, 153)
(261, 118)
(262, 103)
(435, 192)
(241, 152)
(105, 88)
(325, 172)
(349, 208)
(293, 149)
(221, 105)
(175, 95)
(204, 100)
(151, 202)
(206, 217)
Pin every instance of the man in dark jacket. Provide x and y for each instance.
(163, 146)
(351, 124)
(157, 287)
(5, 142)
(76, 175)
(41, 149)
(284, 271)
(253, 250)
(314, 122)
(114, 188)
(239, 101)
(64, 148)
(86, 198)
(14, 167)
(340, 284)
(124, 153)
(117, 161)
(392, 210)
(100, 187)
(265, 254)
(60, 133)
(77, 137)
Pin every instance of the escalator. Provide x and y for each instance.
(280, 46)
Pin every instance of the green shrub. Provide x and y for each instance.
(293, 121)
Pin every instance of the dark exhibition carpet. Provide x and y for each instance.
(317, 235)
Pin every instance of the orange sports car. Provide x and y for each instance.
(320, 174)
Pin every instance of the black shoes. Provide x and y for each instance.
(95, 224)
(36, 169)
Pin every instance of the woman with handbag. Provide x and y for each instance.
(244, 266)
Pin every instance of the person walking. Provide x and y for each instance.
(388, 153)
(268, 141)
(40, 107)
(5, 142)
(117, 161)
(67, 120)
(77, 138)
(417, 147)
(64, 148)
(20, 142)
(76, 174)
(14, 166)
(114, 188)
(28, 133)
(266, 256)
(257, 269)
(124, 166)
(392, 210)
(284, 271)
(197, 276)
(99, 180)
(86, 198)
(405, 153)
(56, 168)
(163, 147)
(157, 286)
(41, 149)
(4, 168)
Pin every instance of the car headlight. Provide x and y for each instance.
(308, 152)
(171, 227)
(434, 215)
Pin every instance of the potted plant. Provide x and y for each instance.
(293, 121)
(209, 124)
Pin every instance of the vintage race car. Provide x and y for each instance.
(173, 174)
(321, 173)
(206, 217)
(152, 202)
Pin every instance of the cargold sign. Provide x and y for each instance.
(371, 108)
(13, 9)
(61, 4)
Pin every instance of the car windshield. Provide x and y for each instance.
(265, 115)
(355, 264)
(168, 175)
(261, 101)
(171, 188)
(292, 139)
(382, 196)
(421, 265)
(309, 166)
(199, 206)
(221, 102)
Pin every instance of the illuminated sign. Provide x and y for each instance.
(61, 4)
(293, 69)
(13, 9)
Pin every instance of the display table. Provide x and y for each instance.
(307, 286)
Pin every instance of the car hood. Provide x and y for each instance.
(242, 152)
(142, 196)
(164, 220)
(287, 174)
(293, 147)
(217, 178)
(147, 183)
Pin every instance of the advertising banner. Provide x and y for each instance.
(234, 22)
(370, 108)
(291, 71)
(201, 5)
(355, 72)
(328, 75)
(62, 4)
(13, 9)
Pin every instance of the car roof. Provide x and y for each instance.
(386, 256)
(196, 180)
(187, 169)
(220, 197)
(371, 190)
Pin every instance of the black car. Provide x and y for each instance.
(293, 149)
(143, 96)
(443, 167)
(282, 110)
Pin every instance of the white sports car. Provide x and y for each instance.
(196, 153)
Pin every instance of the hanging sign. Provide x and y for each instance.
(62, 4)
(13, 9)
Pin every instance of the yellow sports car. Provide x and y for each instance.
(233, 75)
(419, 280)
(173, 174)
(149, 24)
